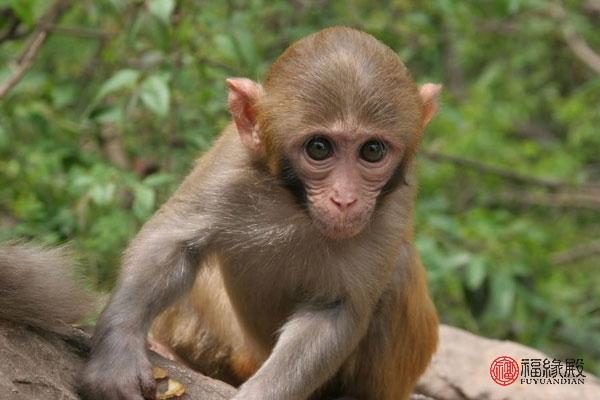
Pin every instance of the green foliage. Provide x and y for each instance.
(106, 123)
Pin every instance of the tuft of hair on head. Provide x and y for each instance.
(38, 287)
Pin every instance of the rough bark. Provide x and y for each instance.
(36, 365)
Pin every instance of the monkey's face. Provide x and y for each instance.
(337, 120)
(339, 174)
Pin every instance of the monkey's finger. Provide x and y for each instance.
(127, 395)
(132, 396)
(148, 387)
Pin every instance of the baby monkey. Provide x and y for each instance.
(286, 258)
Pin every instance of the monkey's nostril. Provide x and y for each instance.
(343, 204)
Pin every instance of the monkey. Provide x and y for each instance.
(38, 287)
(289, 247)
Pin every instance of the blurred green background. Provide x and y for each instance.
(123, 95)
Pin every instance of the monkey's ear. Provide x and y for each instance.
(430, 93)
(242, 98)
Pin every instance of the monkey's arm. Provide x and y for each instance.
(310, 349)
(158, 267)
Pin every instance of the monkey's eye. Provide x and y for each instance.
(318, 148)
(373, 151)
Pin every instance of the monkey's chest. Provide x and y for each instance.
(267, 283)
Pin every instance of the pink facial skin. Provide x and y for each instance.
(342, 189)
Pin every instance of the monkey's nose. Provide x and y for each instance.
(343, 204)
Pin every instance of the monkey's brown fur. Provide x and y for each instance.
(314, 67)
(274, 299)
(203, 328)
(37, 287)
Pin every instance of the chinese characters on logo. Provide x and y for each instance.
(505, 371)
(546, 371)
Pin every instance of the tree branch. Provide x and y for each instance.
(577, 253)
(78, 31)
(592, 7)
(572, 200)
(455, 74)
(574, 41)
(31, 49)
(493, 170)
(581, 49)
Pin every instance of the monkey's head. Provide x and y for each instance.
(337, 120)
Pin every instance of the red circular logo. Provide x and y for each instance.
(504, 370)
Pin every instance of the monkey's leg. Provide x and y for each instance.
(398, 346)
(162, 350)
(203, 331)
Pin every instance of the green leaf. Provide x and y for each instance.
(155, 94)
(143, 204)
(124, 79)
(157, 180)
(4, 138)
(457, 259)
(503, 294)
(476, 272)
(162, 9)
(108, 115)
(103, 194)
(28, 10)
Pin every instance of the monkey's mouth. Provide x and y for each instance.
(340, 230)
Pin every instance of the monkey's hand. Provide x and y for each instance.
(118, 370)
